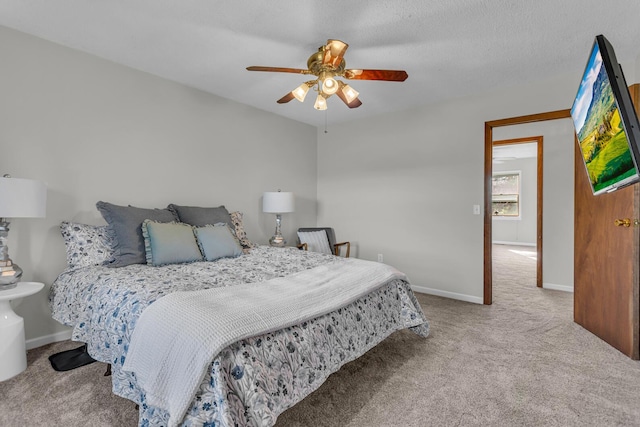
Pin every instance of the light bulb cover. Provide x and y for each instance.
(300, 92)
(350, 93)
(329, 86)
(321, 103)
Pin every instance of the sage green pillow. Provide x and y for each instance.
(169, 243)
(217, 241)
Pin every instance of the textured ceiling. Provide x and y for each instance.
(450, 48)
(505, 153)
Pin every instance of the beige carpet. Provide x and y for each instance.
(520, 362)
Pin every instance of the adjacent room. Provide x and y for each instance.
(155, 148)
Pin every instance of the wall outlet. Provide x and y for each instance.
(380, 258)
(476, 209)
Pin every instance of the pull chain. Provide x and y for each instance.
(326, 113)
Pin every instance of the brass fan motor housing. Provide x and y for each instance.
(315, 65)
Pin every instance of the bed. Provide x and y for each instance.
(251, 380)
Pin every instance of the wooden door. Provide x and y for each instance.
(607, 261)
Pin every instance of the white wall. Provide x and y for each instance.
(404, 184)
(94, 130)
(521, 230)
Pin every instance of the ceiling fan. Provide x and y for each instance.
(327, 64)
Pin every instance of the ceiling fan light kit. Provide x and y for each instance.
(327, 64)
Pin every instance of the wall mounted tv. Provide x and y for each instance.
(606, 123)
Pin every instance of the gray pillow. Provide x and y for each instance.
(199, 217)
(125, 222)
(216, 241)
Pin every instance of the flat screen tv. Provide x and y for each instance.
(606, 123)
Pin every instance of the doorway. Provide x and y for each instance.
(522, 223)
(488, 168)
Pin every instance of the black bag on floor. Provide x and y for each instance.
(71, 359)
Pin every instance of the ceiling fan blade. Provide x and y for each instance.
(333, 53)
(353, 104)
(388, 75)
(278, 69)
(288, 97)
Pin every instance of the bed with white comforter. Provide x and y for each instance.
(245, 381)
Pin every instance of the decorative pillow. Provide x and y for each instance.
(87, 244)
(217, 241)
(241, 235)
(200, 217)
(169, 243)
(125, 222)
(317, 241)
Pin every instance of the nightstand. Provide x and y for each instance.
(13, 353)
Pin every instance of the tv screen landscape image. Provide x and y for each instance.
(606, 123)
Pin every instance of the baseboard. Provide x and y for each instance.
(446, 294)
(48, 339)
(502, 242)
(555, 287)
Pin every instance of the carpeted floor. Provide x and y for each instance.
(520, 362)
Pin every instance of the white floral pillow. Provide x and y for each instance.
(241, 235)
(87, 244)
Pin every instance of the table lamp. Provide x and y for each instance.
(19, 198)
(278, 203)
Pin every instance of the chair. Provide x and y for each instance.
(321, 239)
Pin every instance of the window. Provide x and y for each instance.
(505, 189)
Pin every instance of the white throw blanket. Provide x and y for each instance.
(177, 337)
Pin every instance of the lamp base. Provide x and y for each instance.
(9, 275)
(277, 241)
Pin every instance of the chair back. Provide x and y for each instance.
(331, 235)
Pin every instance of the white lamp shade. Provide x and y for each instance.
(277, 202)
(22, 198)
(321, 103)
(300, 92)
(329, 86)
(349, 93)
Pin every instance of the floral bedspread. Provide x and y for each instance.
(254, 380)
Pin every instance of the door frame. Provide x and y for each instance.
(488, 173)
(539, 186)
